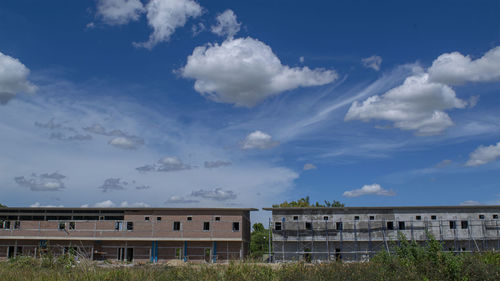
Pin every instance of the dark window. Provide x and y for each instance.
(206, 225)
(6, 224)
(158, 218)
(146, 218)
(118, 225)
(309, 226)
(372, 218)
(295, 218)
(277, 226)
(177, 225)
(189, 218)
(402, 225)
(495, 217)
(356, 218)
(217, 218)
(465, 224)
(62, 225)
(130, 225)
(17, 224)
(433, 217)
(339, 225)
(453, 225)
(418, 218)
(325, 218)
(481, 217)
(236, 226)
(390, 225)
(72, 225)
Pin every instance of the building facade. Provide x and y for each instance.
(127, 234)
(357, 233)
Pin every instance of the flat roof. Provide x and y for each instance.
(382, 208)
(128, 209)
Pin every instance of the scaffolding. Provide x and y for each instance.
(359, 240)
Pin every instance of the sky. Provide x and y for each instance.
(184, 103)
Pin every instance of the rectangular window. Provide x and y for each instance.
(418, 218)
(158, 218)
(206, 226)
(390, 225)
(146, 218)
(402, 225)
(130, 225)
(495, 217)
(17, 224)
(356, 218)
(217, 218)
(236, 226)
(309, 226)
(453, 225)
(190, 218)
(72, 225)
(295, 218)
(62, 225)
(372, 218)
(433, 217)
(339, 225)
(6, 224)
(481, 217)
(465, 224)
(277, 226)
(119, 225)
(325, 218)
(177, 225)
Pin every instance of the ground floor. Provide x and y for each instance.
(308, 250)
(141, 251)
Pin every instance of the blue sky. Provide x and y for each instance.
(232, 103)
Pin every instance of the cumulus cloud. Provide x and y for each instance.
(166, 164)
(245, 71)
(197, 28)
(258, 139)
(216, 164)
(120, 139)
(112, 184)
(13, 78)
(165, 16)
(38, 205)
(309, 166)
(483, 155)
(126, 142)
(418, 104)
(118, 12)
(43, 182)
(470, 203)
(372, 62)
(104, 204)
(373, 189)
(180, 200)
(455, 68)
(125, 204)
(217, 194)
(227, 25)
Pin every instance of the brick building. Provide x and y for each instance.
(131, 234)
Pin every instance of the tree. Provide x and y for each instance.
(304, 203)
(259, 241)
(3, 206)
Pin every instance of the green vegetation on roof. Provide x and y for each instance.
(304, 203)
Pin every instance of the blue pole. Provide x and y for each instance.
(156, 252)
(152, 251)
(185, 250)
(214, 258)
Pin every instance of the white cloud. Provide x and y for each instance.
(373, 189)
(417, 104)
(258, 139)
(125, 204)
(118, 12)
(455, 68)
(104, 204)
(113, 184)
(245, 71)
(38, 205)
(126, 142)
(180, 200)
(372, 62)
(227, 25)
(301, 59)
(470, 203)
(166, 164)
(43, 182)
(309, 166)
(217, 194)
(13, 78)
(165, 16)
(483, 155)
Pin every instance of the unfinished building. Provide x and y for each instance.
(127, 234)
(357, 233)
